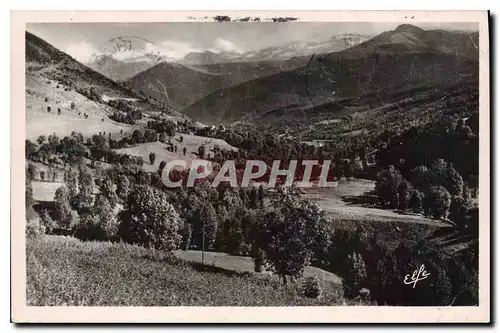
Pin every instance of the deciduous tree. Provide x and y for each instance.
(150, 220)
(290, 233)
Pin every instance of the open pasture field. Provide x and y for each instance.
(190, 142)
(159, 149)
(352, 200)
(65, 271)
(193, 142)
(42, 93)
(45, 191)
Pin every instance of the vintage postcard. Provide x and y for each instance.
(250, 167)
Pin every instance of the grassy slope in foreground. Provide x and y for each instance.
(66, 271)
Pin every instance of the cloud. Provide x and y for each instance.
(176, 49)
(81, 51)
(128, 55)
(169, 50)
(226, 46)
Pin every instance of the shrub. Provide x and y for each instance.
(48, 222)
(349, 170)
(473, 220)
(62, 211)
(439, 201)
(311, 287)
(100, 225)
(152, 158)
(387, 186)
(105, 216)
(186, 236)
(201, 151)
(108, 191)
(31, 171)
(458, 211)
(454, 182)
(258, 260)
(405, 193)
(356, 275)
(31, 150)
(137, 137)
(41, 139)
(122, 188)
(420, 177)
(83, 200)
(439, 172)
(72, 183)
(29, 200)
(34, 227)
(416, 201)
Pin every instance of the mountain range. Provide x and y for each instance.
(121, 70)
(393, 63)
(182, 85)
(396, 60)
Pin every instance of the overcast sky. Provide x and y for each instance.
(175, 40)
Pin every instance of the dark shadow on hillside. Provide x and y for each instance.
(198, 266)
(367, 199)
(458, 239)
(448, 236)
(441, 232)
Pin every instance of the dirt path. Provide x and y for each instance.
(352, 200)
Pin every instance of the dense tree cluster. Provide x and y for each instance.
(451, 139)
(54, 151)
(89, 92)
(125, 111)
(62, 153)
(163, 126)
(150, 220)
(438, 191)
(122, 117)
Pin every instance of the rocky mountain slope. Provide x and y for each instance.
(398, 60)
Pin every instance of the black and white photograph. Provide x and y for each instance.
(254, 160)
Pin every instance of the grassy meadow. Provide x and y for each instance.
(66, 271)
